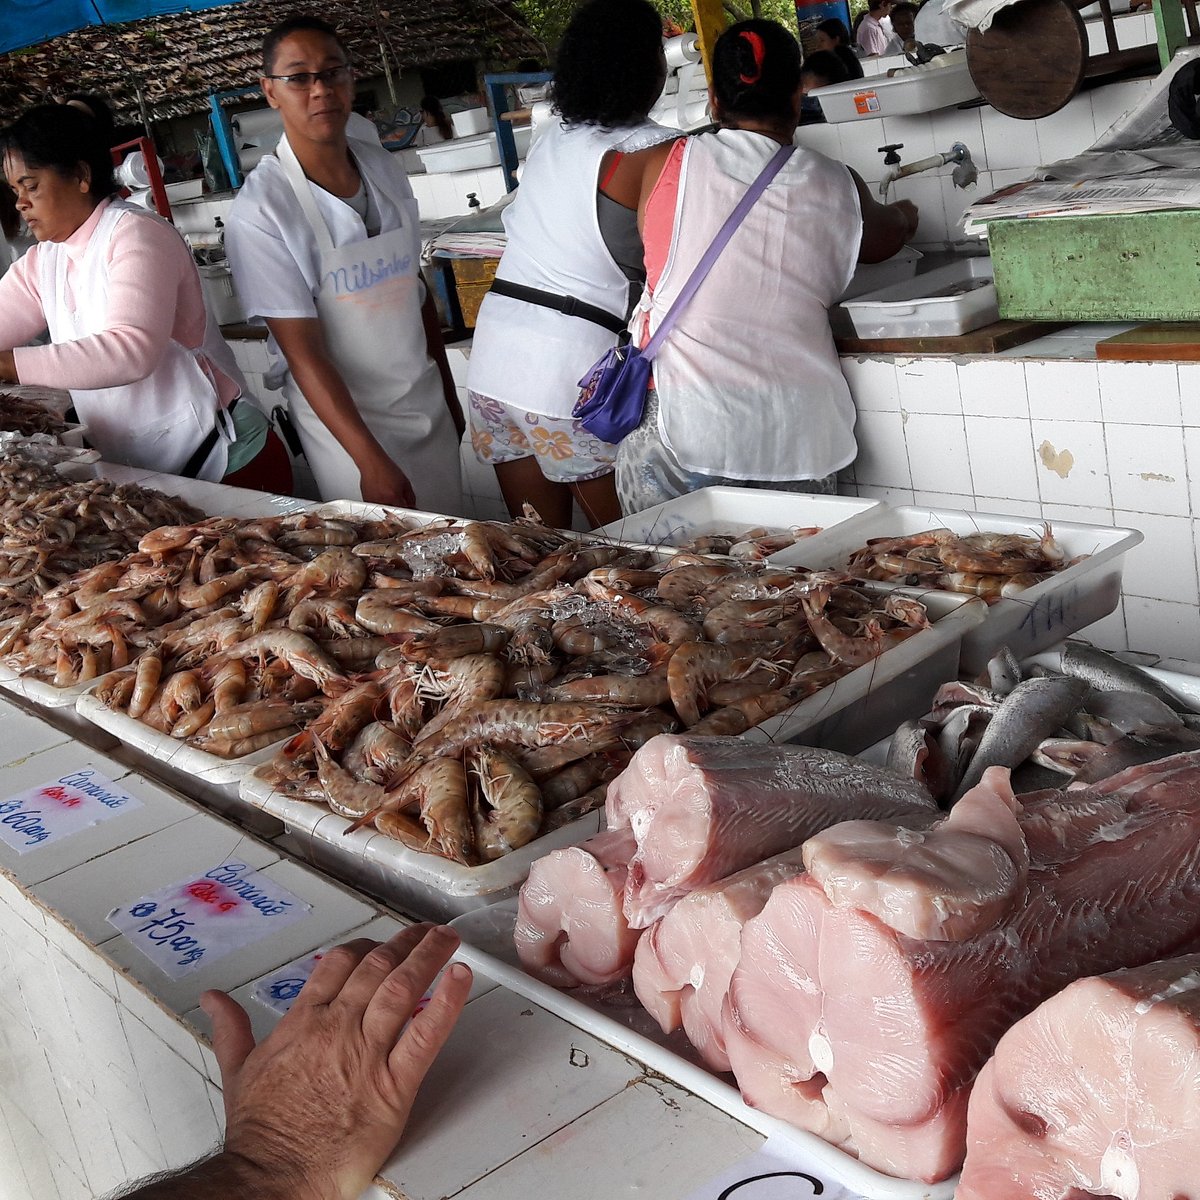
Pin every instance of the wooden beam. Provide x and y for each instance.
(710, 22)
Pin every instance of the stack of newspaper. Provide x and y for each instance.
(1142, 164)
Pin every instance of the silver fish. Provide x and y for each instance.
(1132, 711)
(1066, 755)
(1134, 749)
(1108, 674)
(1031, 712)
(958, 692)
(914, 752)
(1003, 671)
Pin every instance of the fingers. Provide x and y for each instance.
(397, 994)
(376, 966)
(330, 974)
(232, 1037)
(429, 1030)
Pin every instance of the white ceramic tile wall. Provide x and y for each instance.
(1003, 149)
(1079, 441)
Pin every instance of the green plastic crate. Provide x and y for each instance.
(1132, 267)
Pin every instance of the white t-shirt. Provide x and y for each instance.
(272, 250)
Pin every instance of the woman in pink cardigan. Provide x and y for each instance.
(130, 336)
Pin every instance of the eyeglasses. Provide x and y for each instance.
(302, 81)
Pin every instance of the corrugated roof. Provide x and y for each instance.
(180, 59)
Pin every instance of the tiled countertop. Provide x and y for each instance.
(106, 1075)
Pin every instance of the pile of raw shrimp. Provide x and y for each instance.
(991, 565)
(754, 544)
(466, 687)
(51, 528)
(28, 417)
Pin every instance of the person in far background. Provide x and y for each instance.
(325, 244)
(821, 69)
(833, 36)
(130, 334)
(747, 388)
(571, 270)
(435, 124)
(873, 35)
(315, 1110)
(904, 21)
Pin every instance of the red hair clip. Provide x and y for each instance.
(758, 50)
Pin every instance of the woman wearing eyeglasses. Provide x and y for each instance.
(325, 248)
(130, 336)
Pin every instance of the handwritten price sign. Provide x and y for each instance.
(278, 990)
(204, 918)
(60, 808)
(778, 1171)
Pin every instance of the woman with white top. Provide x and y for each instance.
(571, 270)
(747, 387)
(130, 335)
(324, 242)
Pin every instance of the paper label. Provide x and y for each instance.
(60, 808)
(778, 1170)
(866, 103)
(189, 924)
(279, 990)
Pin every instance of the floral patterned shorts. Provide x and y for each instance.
(565, 451)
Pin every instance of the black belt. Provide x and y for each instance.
(562, 304)
(191, 468)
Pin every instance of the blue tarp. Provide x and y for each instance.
(28, 22)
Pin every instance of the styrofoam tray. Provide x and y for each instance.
(1033, 621)
(913, 308)
(733, 509)
(915, 90)
(38, 692)
(226, 773)
(487, 945)
(426, 885)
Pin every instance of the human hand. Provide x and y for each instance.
(908, 210)
(382, 482)
(322, 1101)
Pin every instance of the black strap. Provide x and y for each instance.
(562, 304)
(191, 468)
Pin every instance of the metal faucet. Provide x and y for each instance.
(964, 175)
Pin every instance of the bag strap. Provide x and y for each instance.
(563, 304)
(719, 243)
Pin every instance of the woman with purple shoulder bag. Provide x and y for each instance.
(746, 388)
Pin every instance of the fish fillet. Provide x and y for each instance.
(570, 928)
(702, 808)
(840, 1020)
(1095, 1093)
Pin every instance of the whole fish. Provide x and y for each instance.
(915, 753)
(1133, 750)
(1131, 712)
(1003, 671)
(1108, 674)
(1031, 712)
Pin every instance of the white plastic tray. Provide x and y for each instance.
(225, 773)
(916, 90)
(871, 277)
(1033, 621)
(462, 154)
(425, 885)
(730, 509)
(488, 947)
(912, 308)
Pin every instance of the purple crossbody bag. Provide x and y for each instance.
(612, 394)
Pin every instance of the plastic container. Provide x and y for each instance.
(943, 302)
(470, 121)
(1038, 618)
(487, 947)
(220, 294)
(463, 154)
(184, 189)
(915, 90)
(871, 277)
(733, 510)
(846, 716)
(425, 885)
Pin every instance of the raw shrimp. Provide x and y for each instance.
(181, 693)
(439, 789)
(730, 621)
(229, 685)
(344, 717)
(696, 666)
(334, 572)
(506, 805)
(625, 691)
(191, 723)
(572, 810)
(146, 679)
(456, 641)
(465, 682)
(302, 654)
(383, 612)
(347, 796)
(328, 615)
(259, 603)
(737, 718)
(260, 716)
(573, 781)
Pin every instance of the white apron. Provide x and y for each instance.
(159, 421)
(369, 305)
